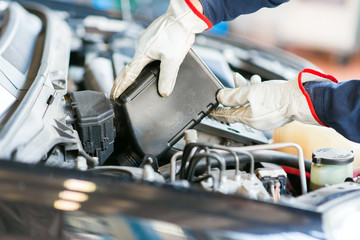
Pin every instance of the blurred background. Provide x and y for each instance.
(325, 32)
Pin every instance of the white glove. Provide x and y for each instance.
(271, 104)
(168, 39)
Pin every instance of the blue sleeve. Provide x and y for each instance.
(225, 10)
(338, 106)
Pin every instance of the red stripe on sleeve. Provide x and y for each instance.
(200, 15)
(307, 96)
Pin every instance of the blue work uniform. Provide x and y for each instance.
(337, 105)
(225, 10)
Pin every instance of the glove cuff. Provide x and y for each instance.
(307, 75)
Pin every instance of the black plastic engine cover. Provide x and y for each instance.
(156, 123)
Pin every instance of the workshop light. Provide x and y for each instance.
(73, 196)
(66, 205)
(79, 185)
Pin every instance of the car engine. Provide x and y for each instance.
(55, 81)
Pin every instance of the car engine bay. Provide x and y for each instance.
(56, 77)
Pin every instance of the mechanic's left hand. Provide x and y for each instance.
(168, 39)
(271, 104)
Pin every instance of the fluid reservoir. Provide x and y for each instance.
(330, 166)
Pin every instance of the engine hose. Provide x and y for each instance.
(269, 156)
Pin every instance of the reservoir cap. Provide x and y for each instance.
(332, 156)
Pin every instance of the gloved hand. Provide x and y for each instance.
(271, 104)
(168, 39)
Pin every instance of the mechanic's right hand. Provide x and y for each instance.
(167, 39)
(271, 104)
